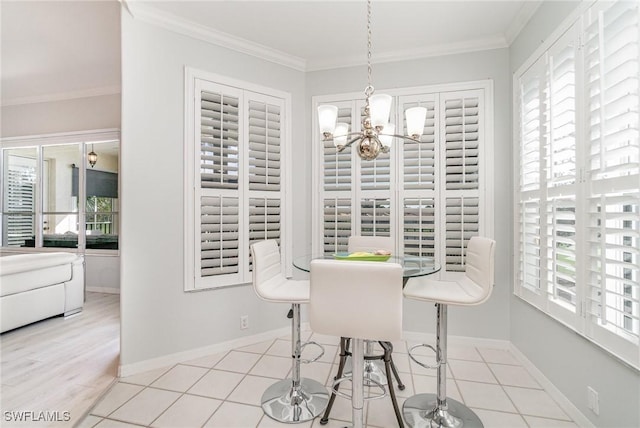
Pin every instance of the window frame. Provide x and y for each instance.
(82, 138)
(192, 280)
(395, 193)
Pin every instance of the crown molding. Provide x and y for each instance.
(62, 96)
(487, 43)
(185, 27)
(527, 10)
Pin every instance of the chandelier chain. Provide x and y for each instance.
(369, 89)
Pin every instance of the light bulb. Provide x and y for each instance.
(387, 139)
(340, 134)
(379, 109)
(327, 115)
(415, 121)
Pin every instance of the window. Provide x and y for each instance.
(578, 197)
(431, 197)
(41, 191)
(236, 148)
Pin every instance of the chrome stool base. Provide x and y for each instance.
(373, 370)
(284, 403)
(457, 414)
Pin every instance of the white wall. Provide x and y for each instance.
(158, 317)
(568, 360)
(78, 114)
(490, 320)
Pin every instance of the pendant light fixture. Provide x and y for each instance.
(377, 133)
(92, 157)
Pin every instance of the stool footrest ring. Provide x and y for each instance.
(313, 360)
(426, 366)
(367, 381)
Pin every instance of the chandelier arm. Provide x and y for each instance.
(405, 137)
(341, 148)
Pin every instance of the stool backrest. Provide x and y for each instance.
(361, 300)
(480, 262)
(369, 243)
(266, 264)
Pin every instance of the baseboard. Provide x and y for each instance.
(572, 411)
(108, 290)
(192, 354)
(414, 336)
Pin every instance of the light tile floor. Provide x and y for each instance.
(224, 390)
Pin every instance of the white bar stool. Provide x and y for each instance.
(297, 399)
(474, 288)
(373, 368)
(360, 300)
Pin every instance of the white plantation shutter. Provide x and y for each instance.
(530, 245)
(419, 227)
(264, 220)
(218, 140)
(614, 272)
(264, 146)
(579, 226)
(612, 62)
(460, 157)
(219, 236)
(461, 223)
(336, 225)
(419, 159)
(238, 167)
(531, 94)
(375, 217)
(561, 251)
(419, 181)
(461, 140)
(20, 203)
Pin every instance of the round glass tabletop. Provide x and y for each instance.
(412, 265)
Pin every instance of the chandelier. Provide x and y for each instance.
(377, 133)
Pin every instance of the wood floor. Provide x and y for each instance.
(61, 365)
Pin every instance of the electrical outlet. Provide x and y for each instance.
(244, 322)
(592, 400)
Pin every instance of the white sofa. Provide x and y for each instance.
(38, 286)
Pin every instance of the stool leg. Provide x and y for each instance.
(435, 409)
(389, 345)
(344, 344)
(297, 399)
(392, 393)
(357, 384)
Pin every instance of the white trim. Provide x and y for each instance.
(454, 48)
(63, 96)
(107, 290)
(188, 28)
(529, 8)
(192, 354)
(95, 136)
(565, 404)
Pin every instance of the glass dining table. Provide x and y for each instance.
(413, 266)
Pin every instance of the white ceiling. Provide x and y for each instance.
(52, 48)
